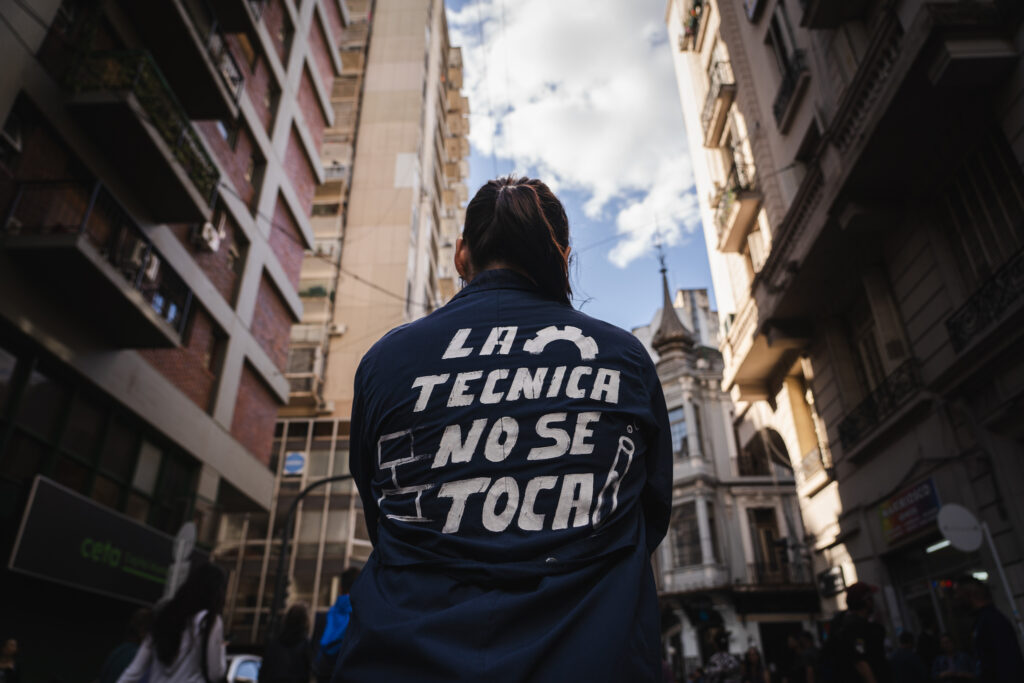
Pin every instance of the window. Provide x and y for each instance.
(984, 210)
(698, 431)
(868, 366)
(677, 424)
(228, 131)
(764, 530)
(780, 38)
(685, 534)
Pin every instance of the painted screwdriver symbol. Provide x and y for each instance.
(620, 465)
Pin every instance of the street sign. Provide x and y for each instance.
(909, 511)
(294, 464)
(960, 527)
(832, 581)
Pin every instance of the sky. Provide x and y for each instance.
(582, 94)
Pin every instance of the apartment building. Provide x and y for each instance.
(733, 559)
(158, 166)
(858, 166)
(384, 222)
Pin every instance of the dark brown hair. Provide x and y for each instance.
(520, 222)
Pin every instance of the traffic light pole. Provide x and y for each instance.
(282, 560)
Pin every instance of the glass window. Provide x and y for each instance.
(42, 404)
(85, 424)
(118, 455)
(341, 461)
(106, 491)
(685, 535)
(677, 424)
(24, 458)
(309, 526)
(337, 525)
(72, 474)
(137, 508)
(7, 363)
(317, 466)
(147, 468)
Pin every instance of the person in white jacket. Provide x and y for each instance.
(186, 643)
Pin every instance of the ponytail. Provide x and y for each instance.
(519, 222)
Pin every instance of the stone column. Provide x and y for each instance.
(707, 554)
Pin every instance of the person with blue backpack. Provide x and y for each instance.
(334, 629)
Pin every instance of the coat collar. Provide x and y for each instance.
(496, 278)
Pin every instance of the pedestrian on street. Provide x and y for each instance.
(186, 643)
(993, 638)
(288, 657)
(855, 650)
(10, 672)
(754, 670)
(951, 664)
(723, 666)
(334, 630)
(122, 655)
(514, 461)
(905, 663)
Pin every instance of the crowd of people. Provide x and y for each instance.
(855, 649)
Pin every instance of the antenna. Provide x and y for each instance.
(659, 244)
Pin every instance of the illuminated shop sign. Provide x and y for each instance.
(909, 511)
(70, 539)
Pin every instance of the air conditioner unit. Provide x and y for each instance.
(153, 267)
(337, 329)
(210, 236)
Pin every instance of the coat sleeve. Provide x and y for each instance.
(657, 492)
(139, 667)
(216, 661)
(361, 452)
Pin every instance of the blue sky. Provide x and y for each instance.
(581, 93)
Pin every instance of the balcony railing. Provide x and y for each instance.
(204, 19)
(810, 465)
(880, 404)
(721, 90)
(988, 304)
(742, 178)
(792, 85)
(136, 72)
(780, 573)
(57, 209)
(750, 466)
(692, 17)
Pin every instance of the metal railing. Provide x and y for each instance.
(988, 303)
(136, 72)
(790, 79)
(742, 178)
(810, 465)
(204, 19)
(751, 466)
(880, 404)
(719, 76)
(782, 572)
(74, 208)
(692, 16)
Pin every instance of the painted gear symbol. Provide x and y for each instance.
(586, 345)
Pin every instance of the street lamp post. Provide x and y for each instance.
(282, 560)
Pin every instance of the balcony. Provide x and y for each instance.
(185, 39)
(304, 388)
(780, 572)
(881, 404)
(737, 207)
(693, 16)
(794, 82)
(721, 93)
(458, 103)
(829, 13)
(992, 301)
(123, 100)
(238, 16)
(76, 241)
(694, 578)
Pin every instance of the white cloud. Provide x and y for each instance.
(583, 93)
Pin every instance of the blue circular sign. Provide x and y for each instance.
(294, 463)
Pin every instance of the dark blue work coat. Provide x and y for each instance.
(514, 462)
